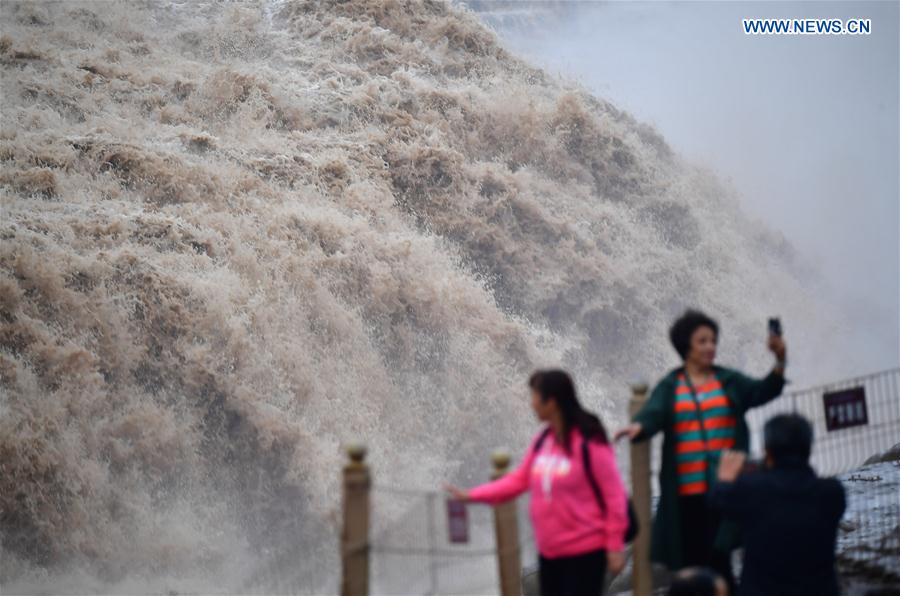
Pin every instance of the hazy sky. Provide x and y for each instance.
(807, 128)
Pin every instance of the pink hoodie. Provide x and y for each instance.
(564, 511)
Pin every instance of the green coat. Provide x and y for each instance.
(658, 414)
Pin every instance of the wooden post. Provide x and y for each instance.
(506, 526)
(355, 533)
(642, 579)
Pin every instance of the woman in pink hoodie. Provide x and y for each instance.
(579, 518)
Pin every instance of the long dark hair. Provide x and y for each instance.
(558, 386)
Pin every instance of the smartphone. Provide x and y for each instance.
(775, 326)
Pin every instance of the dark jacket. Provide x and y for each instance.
(789, 519)
(658, 414)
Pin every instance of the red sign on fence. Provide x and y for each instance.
(845, 408)
(457, 521)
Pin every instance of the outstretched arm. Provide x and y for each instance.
(756, 392)
(503, 489)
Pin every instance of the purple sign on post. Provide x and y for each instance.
(845, 408)
(457, 521)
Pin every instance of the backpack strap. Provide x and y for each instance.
(586, 462)
(540, 440)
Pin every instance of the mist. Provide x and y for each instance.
(804, 128)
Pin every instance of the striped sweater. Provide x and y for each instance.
(702, 434)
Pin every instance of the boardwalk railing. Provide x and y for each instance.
(408, 548)
(845, 449)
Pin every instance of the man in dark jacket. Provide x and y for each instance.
(788, 515)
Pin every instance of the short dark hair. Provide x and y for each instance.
(788, 437)
(681, 331)
(694, 581)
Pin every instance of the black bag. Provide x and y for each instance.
(632, 529)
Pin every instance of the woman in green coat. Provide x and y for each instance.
(699, 407)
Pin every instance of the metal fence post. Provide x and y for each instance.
(506, 526)
(355, 533)
(642, 579)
